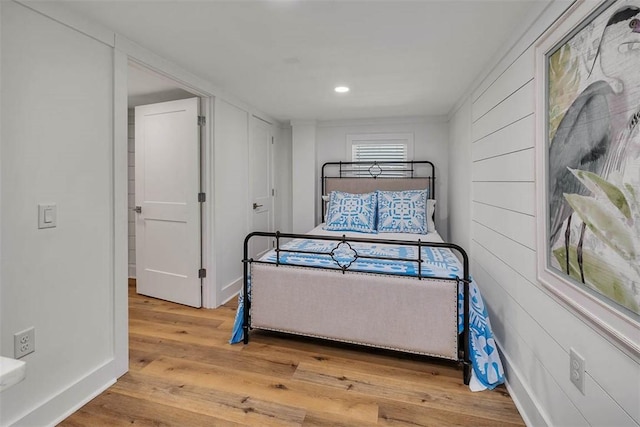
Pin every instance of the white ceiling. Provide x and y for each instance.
(284, 57)
(145, 87)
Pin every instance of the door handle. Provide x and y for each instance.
(138, 209)
(256, 206)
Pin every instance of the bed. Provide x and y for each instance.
(375, 273)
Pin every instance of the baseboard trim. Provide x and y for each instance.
(68, 401)
(230, 291)
(522, 396)
(230, 298)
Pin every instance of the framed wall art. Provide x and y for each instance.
(588, 165)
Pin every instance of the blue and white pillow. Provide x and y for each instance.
(352, 212)
(402, 211)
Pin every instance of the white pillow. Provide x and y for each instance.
(325, 199)
(431, 208)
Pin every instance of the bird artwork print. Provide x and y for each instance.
(595, 140)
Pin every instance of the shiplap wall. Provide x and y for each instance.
(535, 332)
(131, 181)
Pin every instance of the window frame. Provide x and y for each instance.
(379, 139)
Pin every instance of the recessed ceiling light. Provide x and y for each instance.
(341, 89)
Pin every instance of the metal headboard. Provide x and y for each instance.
(363, 177)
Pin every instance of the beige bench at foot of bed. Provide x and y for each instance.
(396, 312)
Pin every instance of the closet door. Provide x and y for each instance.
(260, 166)
(168, 241)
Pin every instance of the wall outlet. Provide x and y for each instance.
(24, 342)
(576, 369)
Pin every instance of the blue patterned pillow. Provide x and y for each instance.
(352, 212)
(402, 211)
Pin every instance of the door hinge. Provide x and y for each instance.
(273, 191)
(202, 273)
(202, 120)
(202, 197)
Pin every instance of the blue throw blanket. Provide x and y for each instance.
(440, 262)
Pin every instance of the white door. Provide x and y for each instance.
(168, 244)
(260, 141)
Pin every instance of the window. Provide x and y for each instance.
(381, 148)
(369, 152)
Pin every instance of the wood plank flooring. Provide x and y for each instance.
(183, 373)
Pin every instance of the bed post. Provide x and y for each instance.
(463, 339)
(323, 180)
(245, 290)
(465, 333)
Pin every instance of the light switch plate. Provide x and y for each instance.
(47, 215)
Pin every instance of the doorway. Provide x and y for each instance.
(164, 187)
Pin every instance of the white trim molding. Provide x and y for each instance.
(72, 20)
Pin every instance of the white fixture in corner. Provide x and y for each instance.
(12, 371)
(341, 89)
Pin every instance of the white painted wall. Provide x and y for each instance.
(305, 177)
(57, 134)
(431, 135)
(282, 177)
(534, 330)
(65, 89)
(231, 195)
(460, 176)
(232, 191)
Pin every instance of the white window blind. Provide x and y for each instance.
(380, 152)
(374, 151)
(380, 147)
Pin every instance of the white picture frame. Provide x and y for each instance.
(620, 326)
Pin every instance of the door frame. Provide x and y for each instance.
(206, 174)
(126, 52)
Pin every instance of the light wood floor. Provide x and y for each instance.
(184, 373)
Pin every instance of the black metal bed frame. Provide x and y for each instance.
(378, 169)
(463, 338)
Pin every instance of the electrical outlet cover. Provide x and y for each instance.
(24, 343)
(577, 370)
